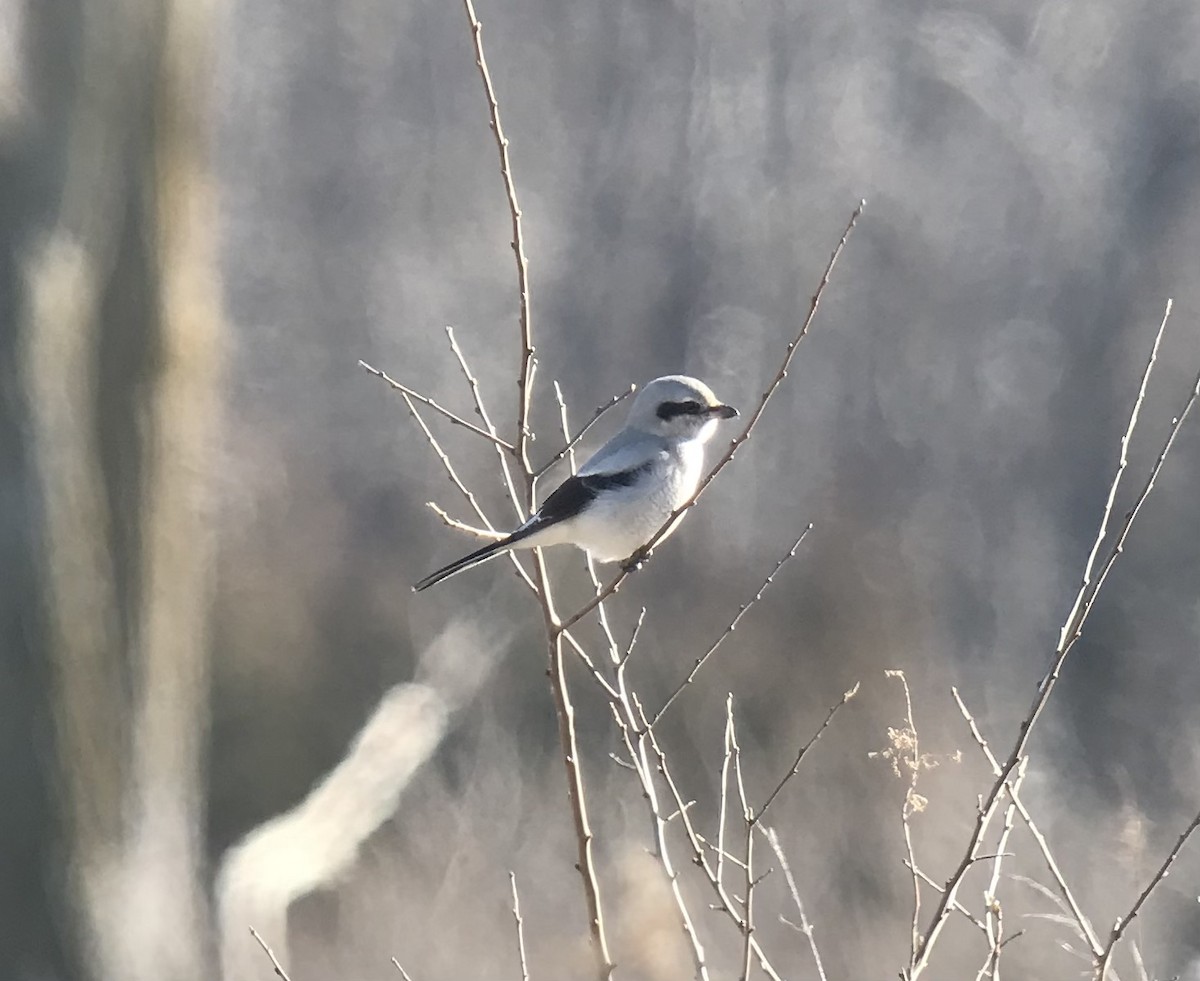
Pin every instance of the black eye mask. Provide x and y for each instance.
(671, 410)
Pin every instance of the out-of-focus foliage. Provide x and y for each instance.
(1033, 173)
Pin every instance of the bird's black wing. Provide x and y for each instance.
(572, 498)
(576, 494)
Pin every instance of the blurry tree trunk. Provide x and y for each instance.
(120, 338)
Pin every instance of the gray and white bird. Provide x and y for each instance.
(626, 490)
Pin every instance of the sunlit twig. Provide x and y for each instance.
(735, 443)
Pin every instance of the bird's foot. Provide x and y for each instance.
(636, 560)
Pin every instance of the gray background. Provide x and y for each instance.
(950, 426)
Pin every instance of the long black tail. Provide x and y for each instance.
(489, 551)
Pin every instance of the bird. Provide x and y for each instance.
(629, 487)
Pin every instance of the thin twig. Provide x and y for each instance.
(516, 911)
(279, 971)
(601, 611)
(906, 811)
(488, 534)
(615, 583)
(447, 465)
(748, 865)
(399, 967)
(1072, 630)
(846, 696)
(805, 926)
(453, 417)
(565, 711)
(1122, 924)
(573, 441)
(565, 425)
(732, 625)
(1122, 463)
(633, 636)
(994, 912)
(481, 409)
(723, 805)
(1084, 925)
(626, 719)
(525, 376)
(728, 904)
(938, 887)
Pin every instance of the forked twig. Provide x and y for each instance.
(624, 714)
(748, 865)
(1122, 924)
(573, 441)
(727, 904)
(1081, 920)
(555, 632)
(481, 409)
(1072, 630)
(1078, 607)
(441, 409)
(846, 696)
(525, 376)
(615, 583)
(805, 927)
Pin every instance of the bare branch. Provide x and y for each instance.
(1081, 920)
(489, 534)
(481, 409)
(1072, 630)
(736, 442)
(279, 971)
(516, 910)
(846, 696)
(570, 746)
(1122, 924)
(938, 887)
(525, 376)
(906, 811)
(573, 441)
(732, 626)
(748, 822)
(994, 912)
(425, 400)
(403, 973)
(727, 904)
(627, 722)
(1122, 463)
(805, 926)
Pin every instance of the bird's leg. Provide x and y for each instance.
(636, 560)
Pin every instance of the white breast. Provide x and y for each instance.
(620, 522)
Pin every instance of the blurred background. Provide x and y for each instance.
(212, 516)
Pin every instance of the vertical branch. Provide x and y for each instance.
(1070, 634)
(1122, 923)
(748, 865)
(516, 910)
(525, 376)
(583, 830)
(486, 419)
(639, 754)
(555, 631)
(805, 926)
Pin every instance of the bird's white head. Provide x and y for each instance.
(678, 407)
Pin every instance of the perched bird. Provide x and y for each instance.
(626, 490)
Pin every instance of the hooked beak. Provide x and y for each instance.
(722, 411)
